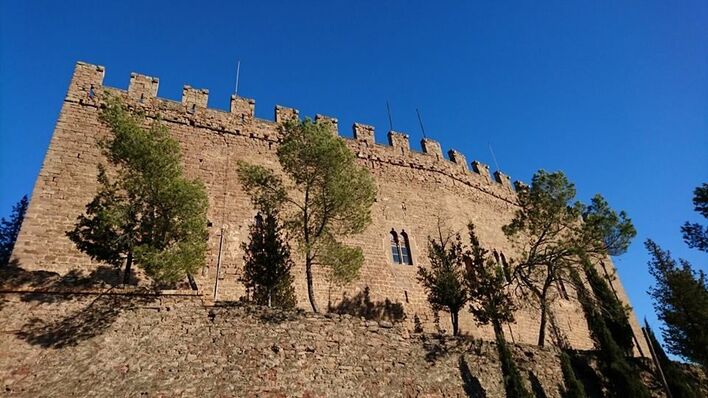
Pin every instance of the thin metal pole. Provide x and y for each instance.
(493, 156)
(218, 264)
(390, 121)
(420, 120)
(238, 73)
(654, 358)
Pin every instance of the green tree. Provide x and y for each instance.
(695, 235)
(573, 387)
(149, 213)
(681, 302)
(514, 385)
(328, 196)
(613, 311)
(9, 229)
(266, 271)
(490, 299)
(491, 303)
(679, 383)
(550, 234)
(444, 281)
(623, 378)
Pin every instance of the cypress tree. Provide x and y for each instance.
(267, 265)
(623, 378)
(613, 311)
(573, 387)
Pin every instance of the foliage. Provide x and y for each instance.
(623, 378)
(681, 302)
(267, 263)
(490, 299)
(573, 387)
(613, 311)
(149, 212)
(679, 383)
(513, 382)
(549, 233)
(694, 234)
(328, 197)
(9, 229)
(444, 281)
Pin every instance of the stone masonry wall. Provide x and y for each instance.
(414, 190)
(143, 345)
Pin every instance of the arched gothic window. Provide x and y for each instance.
(406, 257)
(505, 267)
(395, 248)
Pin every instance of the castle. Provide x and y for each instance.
(414, 189)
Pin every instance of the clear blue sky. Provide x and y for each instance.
(615, 94)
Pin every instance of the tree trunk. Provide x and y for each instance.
(455, 322)
(128, 266)
(192, 282)
(310, 287)
(542, 327)
(270, 297)
(498, 331)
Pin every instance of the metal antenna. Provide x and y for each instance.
(494, 157)
(420, 120)
(238, 73)
(390, 121)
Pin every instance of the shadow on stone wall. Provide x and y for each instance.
(361, 305)
(66, 325)
(536, 386)
(82, 324)
(586, 374)
(470, 383)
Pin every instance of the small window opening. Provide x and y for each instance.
(194, 108)
(91, 92)
(405, 292)
(406, 257)
(395, 248)
(561, 289)
(142, 98)
(505, 267)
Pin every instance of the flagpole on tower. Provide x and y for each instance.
(238, 73)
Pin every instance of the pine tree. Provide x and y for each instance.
(9, 229)
(547, 232)
(330, 197)
(695, 235)
(149, 213)
(444, 281)
(267, 266)
(681, 302)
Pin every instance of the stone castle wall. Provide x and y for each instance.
(415, 189)
(132, 344)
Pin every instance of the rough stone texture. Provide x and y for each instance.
(414, 190)
(117, 343)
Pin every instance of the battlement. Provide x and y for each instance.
(87, 86)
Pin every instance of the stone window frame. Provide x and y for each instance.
(399, 248)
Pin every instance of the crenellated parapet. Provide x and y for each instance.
(194, 97)
(142, 87)
(87, 87)
(431, 147)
